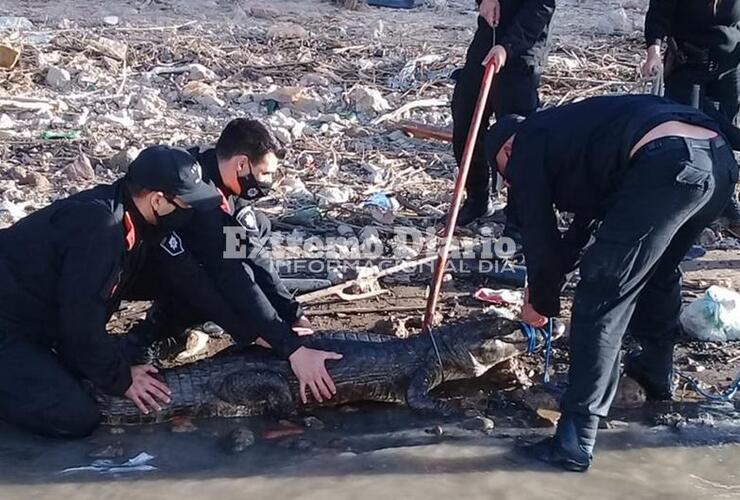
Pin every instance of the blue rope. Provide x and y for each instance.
(726, 396)
(531, 333)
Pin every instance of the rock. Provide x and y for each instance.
(114, 450)
(314, 423)
(80, 170)
(108, 47)
(335, 275)
(14, 23)
(239, 440)
(298, 98)
(708, 238)
(367, 233)
(121, 160)
(202, 93)
(283, 31)
(36, 180)
(630, 394)
(297, 130)
(437, 430)
(478, 424)
(6, 123)
(282, 135)
(314, 79)
(150, 104)
(110, 20)
(120, 118)
(402, 252)
(263, 12)
(368, 100)
(58, 78)
(8, 56)
(182, 425)
(199, 72)
(332, 195)
(16, 172)
(345, 230)
(615, 22)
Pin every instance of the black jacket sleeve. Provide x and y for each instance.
(531, 20)
(92, 247)
(658, 20)
(540, 236)
(261, 263)
(574, 241)
(205, 237)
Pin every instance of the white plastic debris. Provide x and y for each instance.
(714, 317)
(140, 463)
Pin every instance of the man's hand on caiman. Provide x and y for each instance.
(309, 367)
(145, 390)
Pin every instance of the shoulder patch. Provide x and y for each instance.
(172, 244)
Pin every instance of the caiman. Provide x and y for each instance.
(252, 381)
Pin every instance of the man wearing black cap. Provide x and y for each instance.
(242, 167)
(63, 271)
(519, 55)
(653, 174)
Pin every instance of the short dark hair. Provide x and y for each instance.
(247, 137)
(134, 189)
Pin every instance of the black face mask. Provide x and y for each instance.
(173, 220)
(253, 189)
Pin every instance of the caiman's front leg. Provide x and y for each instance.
(259, 388)
(417, 394)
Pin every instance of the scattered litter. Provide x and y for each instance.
(382, 207)
(15, 23)
(140, 463)
(8, 56)
(51, 135)
(714, 317)
(501, 297)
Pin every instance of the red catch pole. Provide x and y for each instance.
(443, 252)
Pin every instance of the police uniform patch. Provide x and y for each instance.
(172, 244)
(247, 218)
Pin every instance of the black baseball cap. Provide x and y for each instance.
(175, 172)
(499, 133)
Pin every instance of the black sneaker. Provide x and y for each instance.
(473, 209)
(552, 452)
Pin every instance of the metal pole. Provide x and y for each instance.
(467, 157)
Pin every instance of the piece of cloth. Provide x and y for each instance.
(695, 22)
(672, 189)
(578, 169)
(514, 90)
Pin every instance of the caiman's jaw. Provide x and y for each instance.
(478, 367)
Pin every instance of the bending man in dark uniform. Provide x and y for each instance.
(63, 271)
(703, 48)
(520, 54)
(654, 174)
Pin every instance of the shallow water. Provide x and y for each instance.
(636, 463)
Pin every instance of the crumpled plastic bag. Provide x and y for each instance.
(714, 317)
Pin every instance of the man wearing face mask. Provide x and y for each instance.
(63, 272)
(241, 166)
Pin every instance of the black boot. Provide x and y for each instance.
(572, 446)
(732, 213)
(652, 368)
(474, 208)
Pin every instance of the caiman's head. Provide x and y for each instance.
(470, 349)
